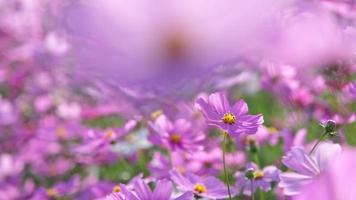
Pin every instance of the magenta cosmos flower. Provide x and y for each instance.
(350, 90)
(338, 182)
(142, 191)
(306, 167)
(261, 178)
(235, 119)
(208, 186)
(129, 41)
(177, 135)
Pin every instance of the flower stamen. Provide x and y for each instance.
(110, 134)
(229, 118)
(116, 189)
(199, 188)
(52, 192)
(258, 174)
(175, 138)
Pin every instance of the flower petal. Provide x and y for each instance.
(299, 161)
(293, 183)
(163, 190)
(240, 107)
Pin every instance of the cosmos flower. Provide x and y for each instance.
(8, 113)
(207, 186)
(59, 190)
(128, 42)
(350, 90)
(162, 191)
(144, 58)
(276, 76)
(37, 152)
(263, 135)
(177, 135)
(306, 167)
(323, 41)
(91, 188)
(337, 182)
(9, 165)
(97, 144)
(159, 166)
(209, 161)
(261, 178)
(113, 196)
(235, 119)
(293, 139)
(344, 9)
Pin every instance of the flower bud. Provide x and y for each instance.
(249, 174)
(330, 126)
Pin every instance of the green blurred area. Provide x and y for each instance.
(265, 103)
(123, 170)
(112, 121)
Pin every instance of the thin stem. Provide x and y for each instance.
(261, 194)
(252, 192)
(317, 143)
(224, 163)
(257, 160)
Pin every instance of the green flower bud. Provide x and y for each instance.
(330, 127)
(250, 174)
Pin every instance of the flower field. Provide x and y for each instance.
(177, 100)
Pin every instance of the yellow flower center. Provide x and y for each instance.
(175, 138)
(116, 189)
(229, 118)
(199, 188)
(181, 169)
(258, 174)
(110, 134)
(156, 114)
(52, 192)
(272, 130)
(61, 132)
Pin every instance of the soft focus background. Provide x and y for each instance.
(87, 89)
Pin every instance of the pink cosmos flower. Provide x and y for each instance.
(97, 144)
(306, 167)
(293, 140)
(235, 119)
(159, 166)
(177, 135)
(337, 182)
(142, 191)
(263, 135)
(350, 90)
(9, 165)
(208, 186)
(129, 42)
(261, 178)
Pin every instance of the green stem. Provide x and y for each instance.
(317, 143)
(224, 163)
(257, 160)
(261, 194)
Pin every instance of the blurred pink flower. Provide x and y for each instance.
(306, 167)
(337, 182)
(129, 42)
(176, 135)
